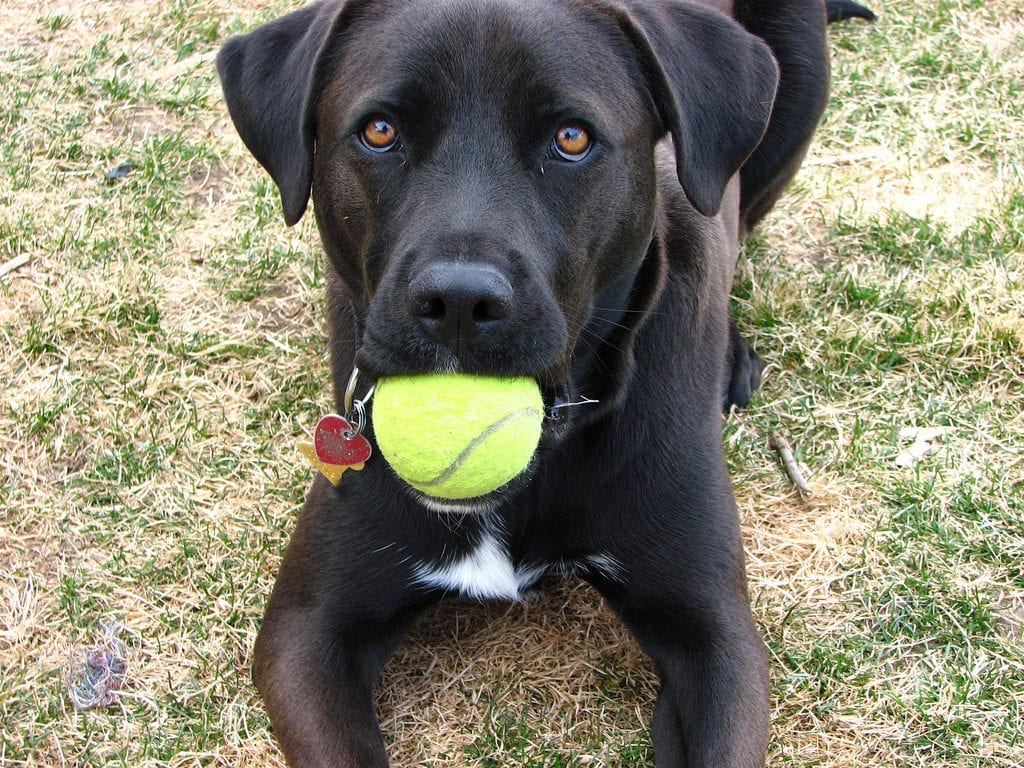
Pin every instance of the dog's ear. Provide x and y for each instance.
(713, 83)
(266, 77)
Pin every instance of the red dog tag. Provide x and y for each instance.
(336, 448)
(337, 443)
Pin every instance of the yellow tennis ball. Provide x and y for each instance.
(456, 436)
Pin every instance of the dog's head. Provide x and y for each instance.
(483, 171)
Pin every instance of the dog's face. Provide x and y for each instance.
(482, 176)
(484, 171)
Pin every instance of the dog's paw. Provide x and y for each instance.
(744, 374)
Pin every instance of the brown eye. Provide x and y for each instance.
(379, 135)
(572, 142)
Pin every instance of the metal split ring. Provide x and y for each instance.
(355, 409)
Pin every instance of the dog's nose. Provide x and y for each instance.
(457, 302)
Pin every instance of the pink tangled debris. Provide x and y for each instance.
(93, 676)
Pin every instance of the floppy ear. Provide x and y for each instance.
(266, 76)
(714, 84)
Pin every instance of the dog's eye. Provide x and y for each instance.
(379, 135)
(572, 142)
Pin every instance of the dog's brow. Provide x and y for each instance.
(583, 108)
(397, 103)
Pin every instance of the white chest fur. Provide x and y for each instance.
(485, 572)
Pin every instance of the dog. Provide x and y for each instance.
(543, 188)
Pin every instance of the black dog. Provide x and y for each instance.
(553, 189)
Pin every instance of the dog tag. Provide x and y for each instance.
(335, 448)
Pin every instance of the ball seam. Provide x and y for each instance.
(466, 452)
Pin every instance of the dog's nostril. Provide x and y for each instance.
(490, 309)
(434, 309)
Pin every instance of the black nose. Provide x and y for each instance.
(457, 302)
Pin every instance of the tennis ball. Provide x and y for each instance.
(456, 436)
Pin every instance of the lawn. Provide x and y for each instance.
(162, 352)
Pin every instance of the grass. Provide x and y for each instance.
(162, 351)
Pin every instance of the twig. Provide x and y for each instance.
(785, 451)
(16, 263)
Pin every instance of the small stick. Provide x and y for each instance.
(785, 451)
(16, 263)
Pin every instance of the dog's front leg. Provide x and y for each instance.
(318, 692)
(712, 711)
(743, 370)
(340, 605)
(682, 594)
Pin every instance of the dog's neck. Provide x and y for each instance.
(605, 371)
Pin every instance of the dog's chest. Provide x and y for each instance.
(488, 571)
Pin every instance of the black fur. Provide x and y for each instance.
(473, 245)
(841, 10)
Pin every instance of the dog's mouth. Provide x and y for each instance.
(461, 508)
(561, 403)
(559, 407)
(560, 398)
